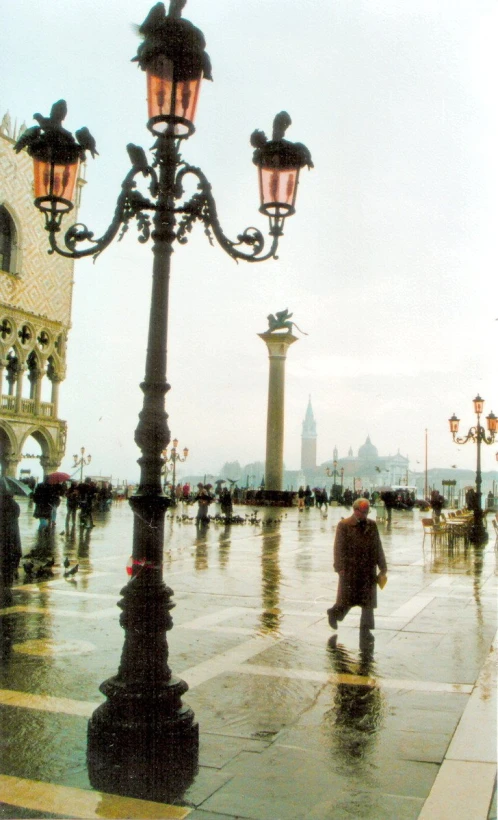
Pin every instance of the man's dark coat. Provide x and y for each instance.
(357, 554)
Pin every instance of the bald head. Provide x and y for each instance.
(360, 508)
(361, 503)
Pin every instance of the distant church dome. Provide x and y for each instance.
(368, 451)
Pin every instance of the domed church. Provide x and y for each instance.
(364, 471)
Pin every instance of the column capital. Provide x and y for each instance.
(278, 343)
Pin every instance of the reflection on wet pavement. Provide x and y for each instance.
(294, 723)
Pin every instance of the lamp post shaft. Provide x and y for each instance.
(142, 741)
(144, 708)
(477, 435)
(479, 529)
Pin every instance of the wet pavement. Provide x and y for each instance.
(296, 722)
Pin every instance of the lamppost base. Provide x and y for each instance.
(143, 753)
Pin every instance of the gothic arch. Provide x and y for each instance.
(15, 349)
(35, 369)
(50, 458)
(15, 250)
(8, 446)
(13, 364)
(54, 369)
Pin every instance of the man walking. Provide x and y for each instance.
(357, 554)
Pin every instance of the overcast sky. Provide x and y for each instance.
(389, 264)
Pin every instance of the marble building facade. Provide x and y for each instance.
(35, 316)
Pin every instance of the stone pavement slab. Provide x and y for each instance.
(294, 724)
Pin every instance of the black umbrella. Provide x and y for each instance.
(12, 485)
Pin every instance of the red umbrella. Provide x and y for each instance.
(58, 478)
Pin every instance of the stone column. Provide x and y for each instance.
(56, 380)
(37, 391)
(19, 382)
(11, 463)
(277, 343)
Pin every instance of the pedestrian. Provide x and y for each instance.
(72, 503)
(357, 554)
(203, 499)
(437, 504)
(56, 500)
(10, 539)
(87, 491)
(348, 497)
(389, 499)
(44, 497)
(325, 503)
(308, 497)
(300, 498)
(226, 502)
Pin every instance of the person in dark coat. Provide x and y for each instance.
(357, 554)
(44, 497)
(87, 492)
(308, 497)
(226, 502)
(204, 499)
(389, 499)
(10, 539)
(72, 504)
(437, 504)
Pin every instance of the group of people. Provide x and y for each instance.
(359, 557)
(318, 496)
(84, 496)
(204, 497)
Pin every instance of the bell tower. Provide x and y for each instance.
(308, 440)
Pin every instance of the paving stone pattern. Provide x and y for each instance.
(296, 722)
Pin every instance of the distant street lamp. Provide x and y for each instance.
(477, 435)
(142, 736)
(81, 462)
(336, 493)
(330, 473)
(173, 458)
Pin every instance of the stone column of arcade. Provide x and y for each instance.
(278, 343)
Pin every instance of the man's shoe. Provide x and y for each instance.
(332, 618)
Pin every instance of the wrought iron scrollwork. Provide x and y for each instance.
(202, 207)
(131, 204)
(476, 434)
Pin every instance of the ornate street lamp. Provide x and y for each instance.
(142, 739)
(477, 435)
(336, 494)
(173, 458)
(81, 462)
